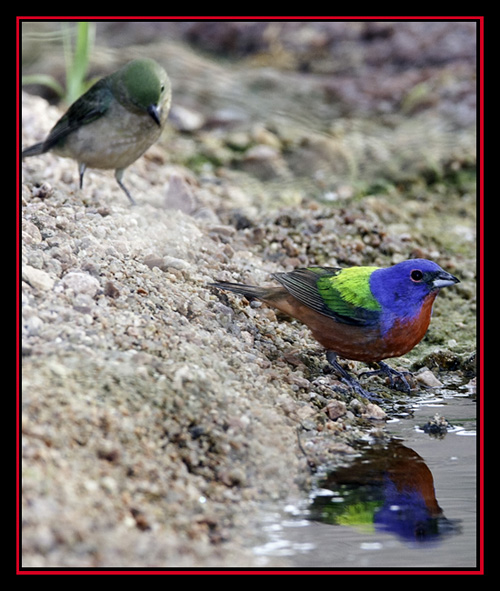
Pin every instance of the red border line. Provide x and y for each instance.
(480, 569)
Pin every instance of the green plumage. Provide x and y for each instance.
(348, 289)
(343, 294)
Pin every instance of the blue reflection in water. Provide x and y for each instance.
(389, 488)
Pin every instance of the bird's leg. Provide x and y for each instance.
(390, 373)
(118, 176)
(347, 378)
(81, 171)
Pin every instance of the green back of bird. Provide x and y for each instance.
(343, 294)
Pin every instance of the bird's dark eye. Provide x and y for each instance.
(416, 275)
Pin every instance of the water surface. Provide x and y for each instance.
(412, 505)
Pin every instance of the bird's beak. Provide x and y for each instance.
(442, 279)
(155, 114)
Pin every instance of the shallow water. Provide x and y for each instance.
(318, 535)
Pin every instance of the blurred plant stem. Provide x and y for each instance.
(77, 60)
(76, 55)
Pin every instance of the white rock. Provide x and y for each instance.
(37, 278)
(427, 378)
(80, 282)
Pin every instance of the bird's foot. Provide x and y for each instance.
(356, 386)
(119, 176)
(386, 370)
(348, 380)
(127, 193)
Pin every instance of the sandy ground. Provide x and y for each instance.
(159, 418)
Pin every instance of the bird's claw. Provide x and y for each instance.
(356, 386)
(391, 373)
(348, 380)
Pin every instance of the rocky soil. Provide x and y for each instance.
(159, 417)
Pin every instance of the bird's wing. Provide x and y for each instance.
(89, 107)
(314, 288)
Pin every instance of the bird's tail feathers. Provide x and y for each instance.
(34, 150)
(251, 292)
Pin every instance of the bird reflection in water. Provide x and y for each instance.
(388, 488)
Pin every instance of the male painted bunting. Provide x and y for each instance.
(362, 313)
(114, 122)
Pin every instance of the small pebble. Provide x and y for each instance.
(428, 379)
(37, 278)
(80, 283)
